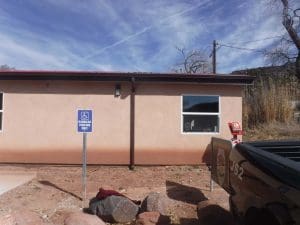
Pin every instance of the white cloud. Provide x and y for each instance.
(24, 54)
(13, 53)
(140, 36)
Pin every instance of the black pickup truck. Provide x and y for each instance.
(262, 178)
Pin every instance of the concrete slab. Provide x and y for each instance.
(10, 180)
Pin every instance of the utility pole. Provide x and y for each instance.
(214, 64)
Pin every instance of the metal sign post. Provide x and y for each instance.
(84, 170)
(84, 126)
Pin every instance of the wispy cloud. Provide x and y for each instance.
(137, 36)
(145, 29)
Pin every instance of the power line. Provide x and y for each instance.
(214, 57)
(242, 48)
(229, 45)
(267, 38)
(258, 40)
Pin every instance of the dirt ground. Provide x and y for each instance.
(56, 191)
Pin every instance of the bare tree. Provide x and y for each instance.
(6, 67)
(288, 50)
(195, 61)
(292, 25)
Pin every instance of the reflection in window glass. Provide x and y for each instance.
(200, 114)
(200, 123)
(200, 104)
(1, 101)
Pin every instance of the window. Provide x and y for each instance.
(200, 114)
(1, 110)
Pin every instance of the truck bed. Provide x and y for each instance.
(280, 159)
(286, 149)
(262, 178)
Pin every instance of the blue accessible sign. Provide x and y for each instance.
(84, 121)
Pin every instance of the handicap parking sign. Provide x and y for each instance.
(84, 120)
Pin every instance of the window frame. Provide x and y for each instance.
(2, 112)
(200, 113)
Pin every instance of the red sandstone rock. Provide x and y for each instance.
(80, 218)
(155, 202)
(152, 218)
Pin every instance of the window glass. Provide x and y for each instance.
(200, 114)
(201, 104)
(200, 123)
(0, 120)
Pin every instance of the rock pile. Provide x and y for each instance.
(155, 202)
(114, 209)
(120, 209)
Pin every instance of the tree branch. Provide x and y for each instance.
(287, 22)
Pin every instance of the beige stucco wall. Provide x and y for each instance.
(39, 122)
(158, 122)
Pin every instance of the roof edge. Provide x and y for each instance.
(123, 76)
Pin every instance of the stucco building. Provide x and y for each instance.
(138, 118)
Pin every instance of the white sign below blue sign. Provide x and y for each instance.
(84, 121)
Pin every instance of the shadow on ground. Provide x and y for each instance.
(213, 214)
(48, 183)
(208, 212)
(184, 193)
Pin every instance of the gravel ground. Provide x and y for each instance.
(56, 190)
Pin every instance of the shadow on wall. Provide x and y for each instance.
(108, 88)
(206, 158)
(65, 87)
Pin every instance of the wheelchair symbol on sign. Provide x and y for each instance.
(84, 116)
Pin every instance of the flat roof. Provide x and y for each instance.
(19, 75)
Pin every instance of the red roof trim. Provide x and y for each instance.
(123, 76)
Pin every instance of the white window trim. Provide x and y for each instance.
(200, 113)
(1, 111)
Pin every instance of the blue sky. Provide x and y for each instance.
(133, 35)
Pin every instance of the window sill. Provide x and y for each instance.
(200, 133)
